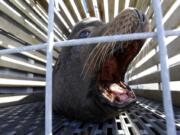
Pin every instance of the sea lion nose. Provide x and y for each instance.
(140, 15)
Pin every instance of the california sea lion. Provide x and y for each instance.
(88, 80)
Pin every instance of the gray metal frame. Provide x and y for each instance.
(160, 34)
(48, 95)
(170, 125)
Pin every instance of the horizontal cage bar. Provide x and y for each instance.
(77, 42)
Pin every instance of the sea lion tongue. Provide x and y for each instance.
(120, 92)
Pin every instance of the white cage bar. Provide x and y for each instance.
(49, 50)
(124, 37)
(170, 125)
(160, 34)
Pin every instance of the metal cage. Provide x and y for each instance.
(123, 123)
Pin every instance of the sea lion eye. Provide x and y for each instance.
(84, 34)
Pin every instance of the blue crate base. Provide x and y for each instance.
(145, 117)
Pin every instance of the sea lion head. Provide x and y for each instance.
(88, 81)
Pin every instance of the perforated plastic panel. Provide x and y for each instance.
(149, 117)
(22, 119)
(145, 118)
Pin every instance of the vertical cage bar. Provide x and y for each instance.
(170, 125)
(48, 98)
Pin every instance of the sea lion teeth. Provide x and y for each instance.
(131, 94)
(115, 88)
(111, 97)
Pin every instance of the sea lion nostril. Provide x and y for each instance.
(140, 15)
(143, 17)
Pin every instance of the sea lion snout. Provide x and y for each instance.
(88, 80)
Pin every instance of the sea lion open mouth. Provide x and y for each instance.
(88, 80)
(117, 95)
(109, 81)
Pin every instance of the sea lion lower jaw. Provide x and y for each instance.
(111, 89)
(117, 96)
(88, 80)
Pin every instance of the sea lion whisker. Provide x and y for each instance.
(100, 61)
(96, 58)
(90, 61)
(105, 53)
(90, 57)
(83, 70)
(113, 48)
(86, 69)
(99, 57)
(100, 50)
